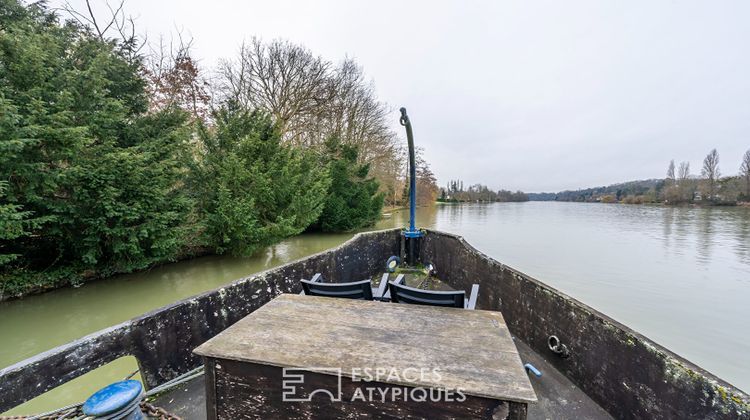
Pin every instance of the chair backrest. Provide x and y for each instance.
(406, 294)
(354, 290)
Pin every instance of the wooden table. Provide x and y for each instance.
(295, 345)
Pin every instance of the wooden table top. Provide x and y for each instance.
(471, 350)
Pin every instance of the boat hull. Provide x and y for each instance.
(624, 372)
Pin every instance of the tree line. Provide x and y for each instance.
(710, 187)
(679, 186)
(454, 192)
(611, 193)
(117, 154)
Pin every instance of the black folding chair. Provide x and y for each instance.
(352, 290)
(400, 293)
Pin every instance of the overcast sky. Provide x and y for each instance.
(531, 95)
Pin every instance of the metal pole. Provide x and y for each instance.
(412, 171)
(412, 234)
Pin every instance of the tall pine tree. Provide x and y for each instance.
(353, 200)
(80, 154)
(251, 189)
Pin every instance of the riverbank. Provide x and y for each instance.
(391, 209)
(47, 281)
(39, 322)
(652, 203)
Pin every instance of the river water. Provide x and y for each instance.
(680, 276)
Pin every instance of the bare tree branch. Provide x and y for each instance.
(119, 27)
(312, 99)
(711, 173)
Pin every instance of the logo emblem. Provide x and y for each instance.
(293, 381)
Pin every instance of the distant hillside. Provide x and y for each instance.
(617, 191)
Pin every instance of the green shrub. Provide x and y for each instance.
(251, 189)
(353, 200)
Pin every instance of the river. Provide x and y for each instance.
(680, 276)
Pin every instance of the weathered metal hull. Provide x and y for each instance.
(624, 372)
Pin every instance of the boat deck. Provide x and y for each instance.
(558, 398)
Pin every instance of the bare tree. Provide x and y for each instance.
(671, 190)
(175, 79)
(427, 188)
(357, 117)
(684, 183)
(670, 172)
(312, 99)
(113, 25)
(684, 171)
(745, 172)
(285, 79)
(710, 172)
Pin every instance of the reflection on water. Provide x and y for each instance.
(681, 276)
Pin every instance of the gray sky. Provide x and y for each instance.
(531, 95)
